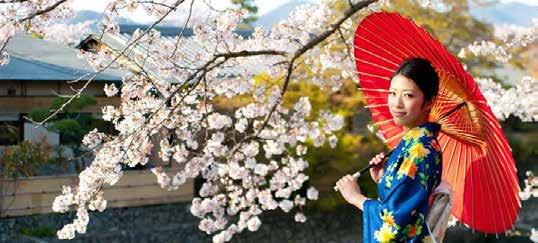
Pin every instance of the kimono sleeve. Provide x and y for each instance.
(390, 218)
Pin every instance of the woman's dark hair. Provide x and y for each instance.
(421, 71)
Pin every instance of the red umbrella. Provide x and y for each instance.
(477, 160)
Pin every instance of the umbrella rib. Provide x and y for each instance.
(442, 99)
(379, 47)
(411, 47)
(429, 38)
(383, 122)
(446, 105)
(376, 90)
(439, 100)
(377, 113)
(390, 129)
(376, 105)
(504, 148)
(458, 167)
(512, 206)
(444, 145)
(373, 75)
(394, 137)
(490, 160)
(462, 132)
(375, 97)
(478, 171)
(450, 161)
(490, 193)
(376, 65)
(427, 47)
(471, 156)
(449, 80)
(382, 30)
(371, 53)
(507, 175)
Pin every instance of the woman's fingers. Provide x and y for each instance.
(377, 159)
(345, 179)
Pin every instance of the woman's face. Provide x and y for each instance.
(406, 102)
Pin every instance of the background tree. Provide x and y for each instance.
(252, 10)
(71, 125)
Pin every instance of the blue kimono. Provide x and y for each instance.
(410, 175)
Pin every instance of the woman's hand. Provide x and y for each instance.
(377, 170)
(351, 191)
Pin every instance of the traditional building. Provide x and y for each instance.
(38, 71)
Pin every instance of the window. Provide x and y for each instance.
(10, 131)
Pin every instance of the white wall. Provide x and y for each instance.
(33, 133)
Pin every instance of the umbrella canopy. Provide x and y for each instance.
(477, 160)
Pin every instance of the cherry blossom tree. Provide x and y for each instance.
(251, 160)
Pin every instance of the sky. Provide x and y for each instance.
(528, 2)
(264, 6)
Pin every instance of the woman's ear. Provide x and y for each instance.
(428, 104)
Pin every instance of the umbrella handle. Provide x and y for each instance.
(363, 170)
(357, 174)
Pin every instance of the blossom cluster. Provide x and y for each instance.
(531, 187)
(251, 159)
(15, 16)
(511, 37)
(69, 34)
(530, 190)
(506, 102)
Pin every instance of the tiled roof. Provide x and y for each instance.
(36, 59)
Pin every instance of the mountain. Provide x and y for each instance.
(501, 13)
(87, 15)
(276, 15)
(506, 13)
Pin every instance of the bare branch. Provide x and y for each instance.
(108, 65)
(323, 36)
(4, 45)
(348, 47)
(12, 1)
(333, 28)
(43, 11)
(157, 3)
(182, 30)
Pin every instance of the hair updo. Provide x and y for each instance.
(421, 71)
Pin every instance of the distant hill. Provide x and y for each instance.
(501, 13)
(87, 15)
(506, 13)
(276, 15)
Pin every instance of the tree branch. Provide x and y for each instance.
(13, 1)
(333, 28)
(109, 64)
(182, 30)
(43, 11)
(323, 36)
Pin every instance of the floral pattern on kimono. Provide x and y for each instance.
(411, 173)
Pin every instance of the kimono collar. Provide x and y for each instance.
(432, 127)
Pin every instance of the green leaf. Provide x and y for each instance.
(38, 114)
(68, 126)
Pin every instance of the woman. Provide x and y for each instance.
(412, 171)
